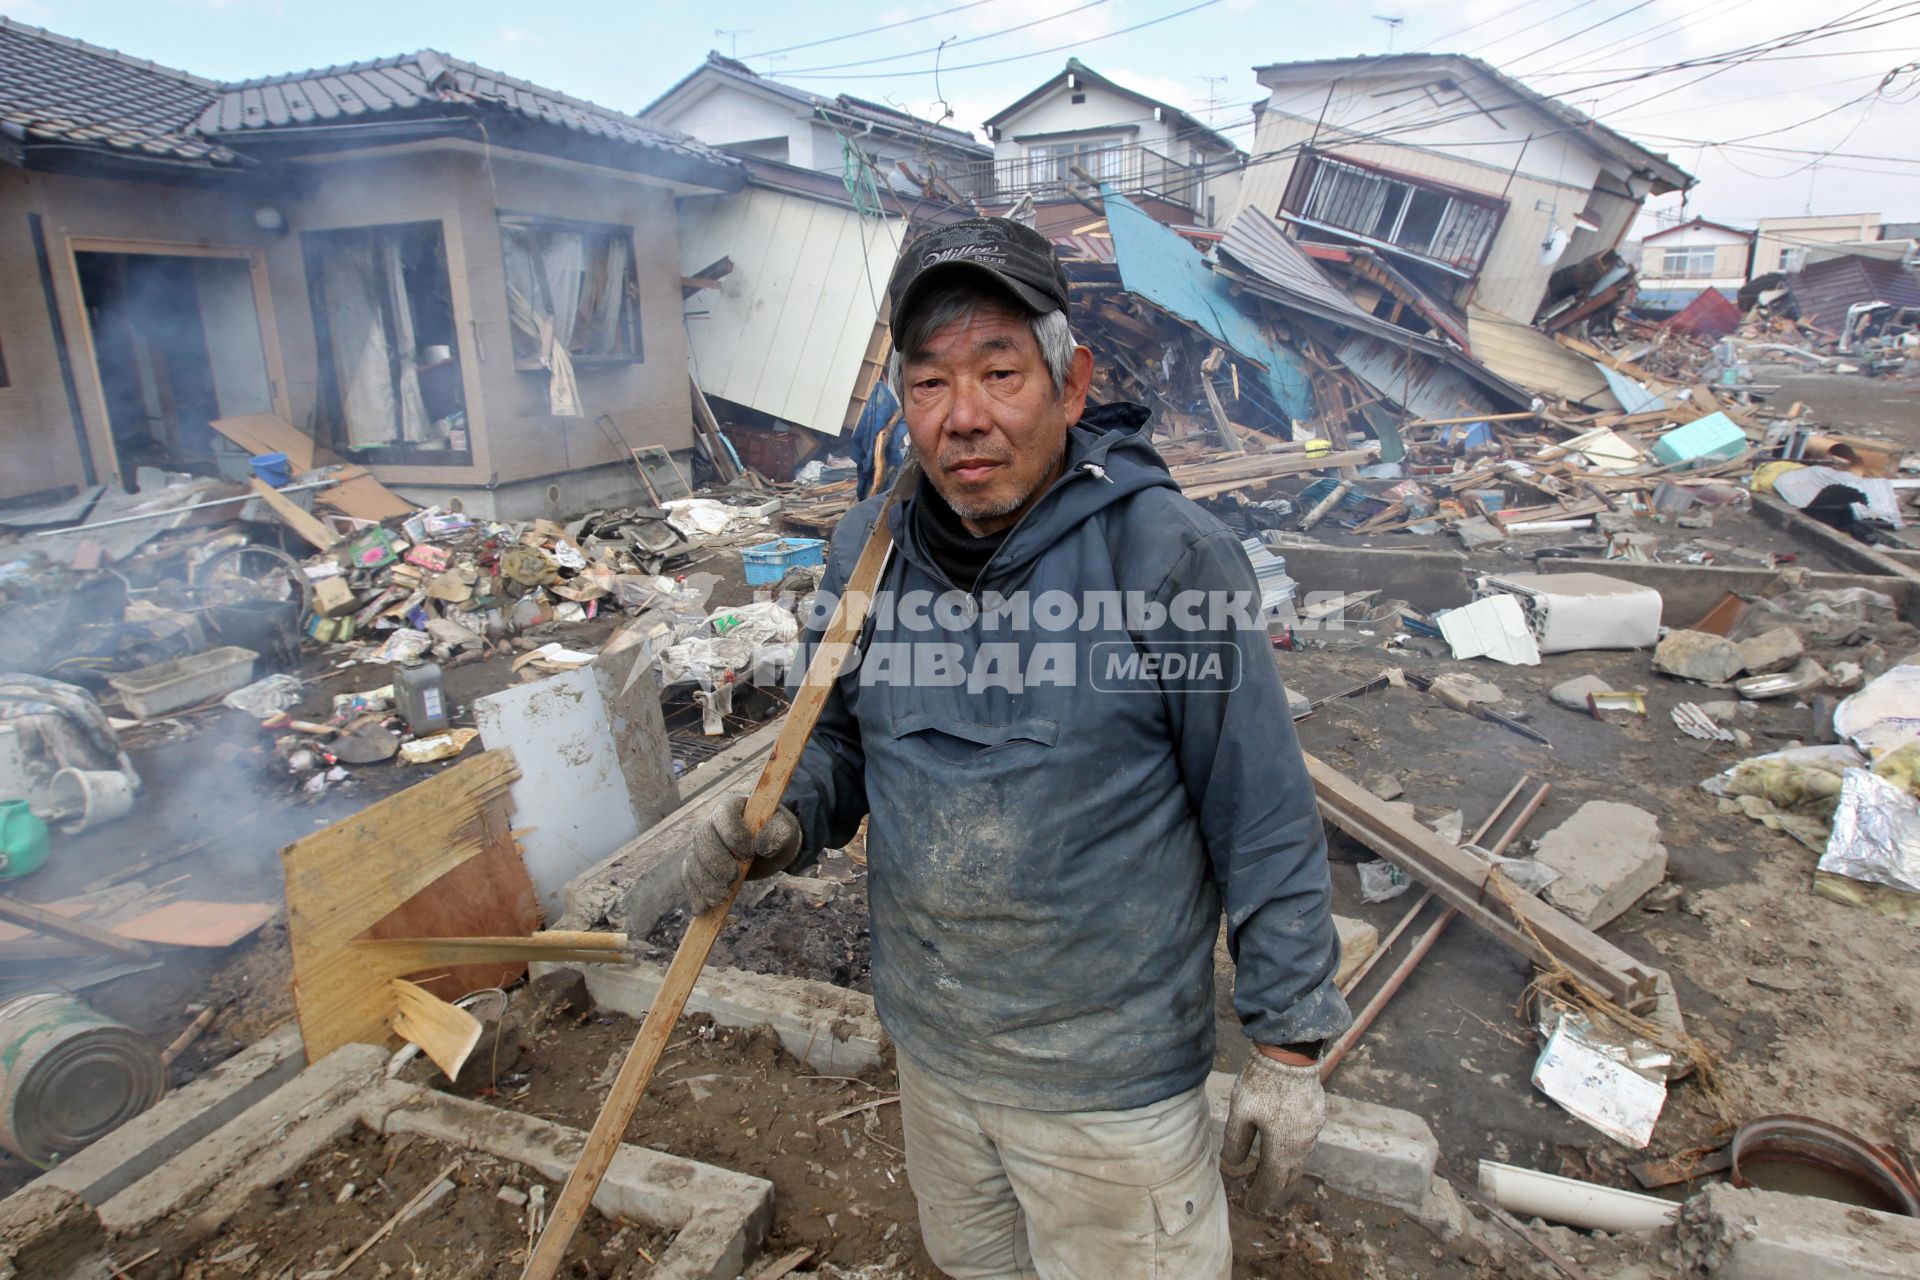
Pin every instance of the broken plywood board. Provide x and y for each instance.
(359, 495)
(369, 876)
(187, 923)
(259, 433)
(445, 1033)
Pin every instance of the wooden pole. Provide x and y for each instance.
(836, 646)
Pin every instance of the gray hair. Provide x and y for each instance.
(959, 303)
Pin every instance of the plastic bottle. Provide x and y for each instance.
(422, 699)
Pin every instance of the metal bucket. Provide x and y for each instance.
(69, 1076)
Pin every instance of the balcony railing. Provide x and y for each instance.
(1048, 173)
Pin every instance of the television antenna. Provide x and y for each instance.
(732, 35)
(1393, 25)
(1213, 93)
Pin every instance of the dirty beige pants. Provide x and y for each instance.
(1011, 1194)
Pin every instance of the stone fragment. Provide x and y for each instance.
(1572, 694)
(1749, 1234)
(1607, 854)
(1771, 651)
(1695, 655)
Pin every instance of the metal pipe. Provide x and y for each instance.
(1394, 982)
(1513, 828)
(1386, 944)
(174, 511)
(1499, 809)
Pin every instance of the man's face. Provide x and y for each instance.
(989, 429)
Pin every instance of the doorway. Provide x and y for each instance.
(176, 343)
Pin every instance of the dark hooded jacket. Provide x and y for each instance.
(1059, 809)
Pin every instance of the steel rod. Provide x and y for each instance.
(174, 511)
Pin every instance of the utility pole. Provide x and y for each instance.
(1393, 26)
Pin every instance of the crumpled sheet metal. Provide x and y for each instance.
(1876, 833)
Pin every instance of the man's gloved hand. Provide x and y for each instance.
(1284, 1104)
(723, 844)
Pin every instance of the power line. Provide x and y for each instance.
(1037, 53)
(1554, 44)
(867, 31)
(944, 44)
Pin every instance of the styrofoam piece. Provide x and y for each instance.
(1714, 436)
(1494, 627)
(1570, 611)
(571, 791)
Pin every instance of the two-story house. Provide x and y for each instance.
(1679, 263)
(724, 104)
(1170, 163)
(1474, 185)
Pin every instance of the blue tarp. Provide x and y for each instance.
(1166, 270)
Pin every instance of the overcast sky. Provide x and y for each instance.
(624, 54)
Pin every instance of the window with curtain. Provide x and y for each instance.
(572, 286)
(1688, 262)
(390, 365)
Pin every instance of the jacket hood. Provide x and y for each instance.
(1108, 458)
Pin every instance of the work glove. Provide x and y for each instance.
(1284, 1105)
(723, 844)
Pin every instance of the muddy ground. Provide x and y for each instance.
(318, 1216)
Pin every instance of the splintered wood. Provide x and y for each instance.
(437, 860)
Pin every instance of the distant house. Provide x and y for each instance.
(393, 256)
(1474, 185)
(724, 104)
(1789, 243)
(1170, 163)
(1679, 263)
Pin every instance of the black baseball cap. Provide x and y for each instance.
(1013, 254)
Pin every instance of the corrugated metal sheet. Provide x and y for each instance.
(788, 328)
(1422, 386)
(1525, 356)
(1259, 243)
(1825, 290)
(1170, 273)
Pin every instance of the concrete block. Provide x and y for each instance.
(1769, 1235)
(1358, 941)
(1572, 694)
(267, 1141)
(1371, 1152)
(1607, 854)
(720, 1217)
(180, 1119)
(1771, 651)
(829, 1028)
(50, 1234)
(1697, 655)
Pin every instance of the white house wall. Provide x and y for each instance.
(725, 114)
(788, 328)
(1546, 179)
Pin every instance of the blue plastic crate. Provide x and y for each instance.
(769, 562)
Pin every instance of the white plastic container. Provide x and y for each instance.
(167, 686)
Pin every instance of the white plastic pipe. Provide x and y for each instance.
(1530, 1194)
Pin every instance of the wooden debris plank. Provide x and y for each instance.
(1461, 881)
(359, 495)
(294, 516)
(259, 433)
(368, 875)
(187, 923)
(445, 1032)
(53, 923)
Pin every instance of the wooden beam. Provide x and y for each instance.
(59, 926)
(294, 516)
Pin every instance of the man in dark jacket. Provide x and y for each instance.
(1068, 735)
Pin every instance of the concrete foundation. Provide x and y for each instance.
(831, 1029)
(179, 1120)
(1687, 591)
(1608, 855)
(1767, 1235)
(720, 1217)
(558, 497)
(1373, 1153)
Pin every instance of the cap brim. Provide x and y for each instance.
(1032, 298)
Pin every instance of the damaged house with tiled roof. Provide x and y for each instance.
(467, 283)
(1457, 201)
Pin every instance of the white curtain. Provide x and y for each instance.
(566, 293)
(375, 355)
(362, 364)
(406, 350)
(605, 299)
